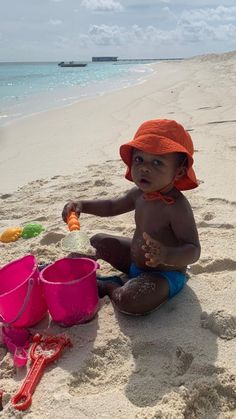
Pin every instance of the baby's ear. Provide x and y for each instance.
(180, 172)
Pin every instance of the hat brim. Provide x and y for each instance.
(164, 146)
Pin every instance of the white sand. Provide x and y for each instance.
(178, 362)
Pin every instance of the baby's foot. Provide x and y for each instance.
(107, 284)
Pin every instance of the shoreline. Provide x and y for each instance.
(44, 101)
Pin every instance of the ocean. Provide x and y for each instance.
(27, 88)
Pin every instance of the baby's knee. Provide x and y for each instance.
(101, 239)
(126, 303)
(101, 242)
(96, 239)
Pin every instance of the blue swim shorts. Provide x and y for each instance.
(176, 279)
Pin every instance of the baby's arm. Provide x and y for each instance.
(185, 230)
(103, 207)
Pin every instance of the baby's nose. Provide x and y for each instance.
(145, 168)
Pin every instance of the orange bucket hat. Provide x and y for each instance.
(162, 136)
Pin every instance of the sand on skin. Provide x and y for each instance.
(178, 362)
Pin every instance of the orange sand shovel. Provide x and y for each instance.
(73, 222)
(76, 240)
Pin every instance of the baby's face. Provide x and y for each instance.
(151, 172)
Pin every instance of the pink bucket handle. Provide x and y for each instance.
(23, 307)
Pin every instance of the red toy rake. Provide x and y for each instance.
(43, 351)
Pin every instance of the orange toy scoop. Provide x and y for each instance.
(73, 222)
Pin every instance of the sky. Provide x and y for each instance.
(55, 30)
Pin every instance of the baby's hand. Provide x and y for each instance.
(154, 251)
(71, 206)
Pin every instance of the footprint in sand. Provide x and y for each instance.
(221, 122)
(220, 322)
(183, 361)
(51, 238)
(5, 195)
(221, 201)
(208, 216)
(55, 177)
(102, 182)
(218, 265)
(210, 107)
(113, 161)
(225, 226)
(42, 218)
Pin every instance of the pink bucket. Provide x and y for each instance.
(22, 303)
(70, 289)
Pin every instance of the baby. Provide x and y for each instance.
(159, 162)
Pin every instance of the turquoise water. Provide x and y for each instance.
(27, 88)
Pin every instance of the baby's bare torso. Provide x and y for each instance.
(152, 217)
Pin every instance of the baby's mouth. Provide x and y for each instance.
(144, 181)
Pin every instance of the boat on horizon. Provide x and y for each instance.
(71, 64)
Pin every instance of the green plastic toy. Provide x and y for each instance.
(31, 230)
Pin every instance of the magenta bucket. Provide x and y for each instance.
(70, 289)
(22, 303)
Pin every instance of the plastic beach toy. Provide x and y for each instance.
(17, 341)
(70, 289)
(11, 234)
(22, 303)
(43, 352)
(32, 230)
(73, 222)
(76, 240)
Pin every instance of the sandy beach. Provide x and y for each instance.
(178, 362)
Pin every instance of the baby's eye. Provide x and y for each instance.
(157, 162)
(138, 159)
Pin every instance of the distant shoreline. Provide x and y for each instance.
(90, 61)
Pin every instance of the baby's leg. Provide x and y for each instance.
(139, 295)
(113, 249)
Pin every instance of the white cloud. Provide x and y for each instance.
(118, 35)
(102, 5)
(201, 25)
(55, 22)
(187, 30)
(202, 32)
(106, 35)
(217, 14)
